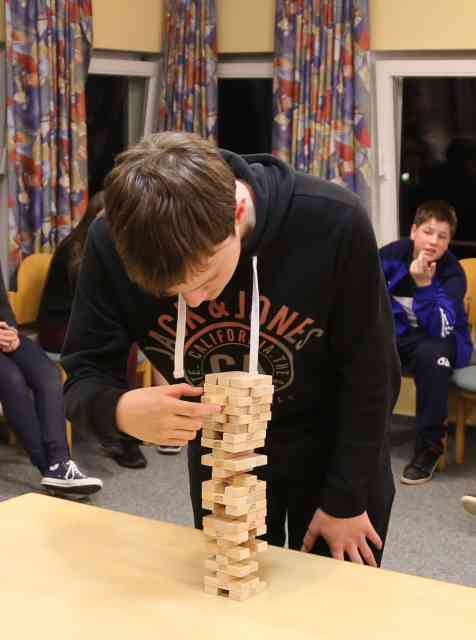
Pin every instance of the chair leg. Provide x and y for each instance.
(443, 459)
(69, 436)
(460, 420)
(12, 439)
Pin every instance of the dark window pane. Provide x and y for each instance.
(245, 114)
(106, 108)
(438, 152)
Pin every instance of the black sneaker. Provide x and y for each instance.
(130, 455)
(169, 449)
(66, 477)
(421, 467)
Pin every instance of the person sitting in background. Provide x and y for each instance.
(55, 309)
(427, 286)
(469, 504)
(32, 401)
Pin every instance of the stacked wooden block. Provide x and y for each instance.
(236, 498)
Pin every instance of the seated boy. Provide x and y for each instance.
(427, 287)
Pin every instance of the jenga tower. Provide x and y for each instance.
(236, 497)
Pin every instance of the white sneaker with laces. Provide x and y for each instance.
(66, 477)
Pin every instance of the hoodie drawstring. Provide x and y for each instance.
(254, 329)
(180, 338)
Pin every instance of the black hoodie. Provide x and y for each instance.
(326, 329)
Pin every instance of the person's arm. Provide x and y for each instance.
(6, 311)
(435, 305)
(95, 358)
(96, 349)
(363, 346)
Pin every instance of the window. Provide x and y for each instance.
(425, 134)
(120, 99)
(245, 120)
(438, 153)
(245, 104)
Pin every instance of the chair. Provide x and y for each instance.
(464, 380)
(25, 303)
(31, 279)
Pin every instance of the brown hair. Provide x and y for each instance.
(170, 200)
(438, 209)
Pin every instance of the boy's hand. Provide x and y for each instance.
(159, 416)
(422, 270)
(344, 535)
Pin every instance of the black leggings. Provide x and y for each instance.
(32, 399)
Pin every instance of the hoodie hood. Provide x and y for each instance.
(272, 182)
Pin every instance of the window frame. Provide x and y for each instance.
(388, 70)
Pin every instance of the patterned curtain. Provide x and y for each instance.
(321, 90)
(189, 91)
(48, 52)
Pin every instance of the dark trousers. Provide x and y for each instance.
(431, 362)
(32, 399)
(293, 494)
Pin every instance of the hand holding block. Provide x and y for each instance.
(236, 498)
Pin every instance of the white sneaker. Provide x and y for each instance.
(66, 477)
(168, 449)
(469, 504)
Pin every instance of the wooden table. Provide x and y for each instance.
(79, 572)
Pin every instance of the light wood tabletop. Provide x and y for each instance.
(76, 571)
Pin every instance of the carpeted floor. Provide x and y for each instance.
(430, 534)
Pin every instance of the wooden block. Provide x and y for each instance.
(244, 509)
(217, 418)
(214, 399)
(221, 473)
(262, 417)
(212, 434)
(206, 504)
(223, 525)
(249, 382)
(262, 390)
(238, 392)
(245, 464)
(232, 410)
(215, 389)
(211, 378)
(244, 480)
(257, 426)
(255, 409)
(249, 445)
(244, 419)
(239, 401)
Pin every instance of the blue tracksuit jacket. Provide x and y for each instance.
(438, 308)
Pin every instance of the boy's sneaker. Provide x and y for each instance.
(421, 467)
(168, 449)
(469, 504)
(66, 477)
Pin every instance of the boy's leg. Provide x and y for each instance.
(433, 365)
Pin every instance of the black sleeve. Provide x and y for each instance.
(6, 312)
(96, 349)
(363, 345)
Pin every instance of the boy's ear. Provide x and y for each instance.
(412, 231)
(240, 211)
